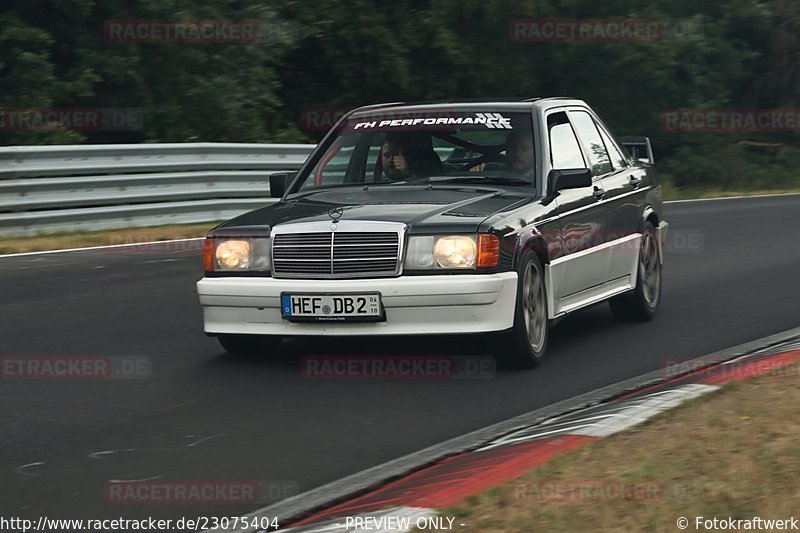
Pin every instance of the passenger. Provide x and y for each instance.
(406, 156)
(393, 157)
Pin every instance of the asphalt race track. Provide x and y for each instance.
(732, 274)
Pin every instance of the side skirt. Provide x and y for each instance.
(618, 261)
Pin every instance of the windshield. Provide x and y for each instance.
(439, 147)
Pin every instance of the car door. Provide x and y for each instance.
(629, 182)
(611, 170)
(581, 223)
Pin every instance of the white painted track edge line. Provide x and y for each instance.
(732, 197)
(102, 247)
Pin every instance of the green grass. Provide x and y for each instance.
(671, 192)
(82, 239)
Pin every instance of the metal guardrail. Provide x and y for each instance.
(46, 189)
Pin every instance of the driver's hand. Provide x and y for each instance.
(477, 168)
(399, 163)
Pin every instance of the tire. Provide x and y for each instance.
(641, 304)
(524, 346)
(248, 344)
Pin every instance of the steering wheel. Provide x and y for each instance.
(486, 158)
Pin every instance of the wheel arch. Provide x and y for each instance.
(534, 241)
(531, 240)
(649, 215)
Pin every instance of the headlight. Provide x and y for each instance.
(420, 253)
(455, 252)
(236, 254)
(452, 252)
(233, 255)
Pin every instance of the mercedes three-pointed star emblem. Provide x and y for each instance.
(335, 212)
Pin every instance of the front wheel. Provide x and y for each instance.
(525, 344)
(248, 344)
(641, 304)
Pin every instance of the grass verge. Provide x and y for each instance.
(733, 453)
(60, 241)
(671, 192)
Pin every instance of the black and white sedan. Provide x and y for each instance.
(461, 218)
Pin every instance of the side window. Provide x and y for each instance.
(330, 170)
(564, 150)
(587, 130)
(617, 158)
(373, 169)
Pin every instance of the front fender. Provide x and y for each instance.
(661, 227)
(531, 239)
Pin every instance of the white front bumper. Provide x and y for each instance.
(414, 304)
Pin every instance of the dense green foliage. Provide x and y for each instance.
(737, 54)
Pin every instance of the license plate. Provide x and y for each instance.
(333, 307)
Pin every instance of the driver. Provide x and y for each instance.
(519, 154)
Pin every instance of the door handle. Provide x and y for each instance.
(599, 193)
(636, 182)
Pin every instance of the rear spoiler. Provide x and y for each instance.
(639, 148)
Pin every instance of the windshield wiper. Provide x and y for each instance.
(367, 185)
(492, 180)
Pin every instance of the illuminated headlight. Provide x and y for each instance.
(236, 254)
(455, 252)
(445, 252)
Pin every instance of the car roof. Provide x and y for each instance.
(499, 104)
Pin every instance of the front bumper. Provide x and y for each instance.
(413, 305)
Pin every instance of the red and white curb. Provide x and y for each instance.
(615, 418)
(412, 501)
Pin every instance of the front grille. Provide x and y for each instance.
(335, 254)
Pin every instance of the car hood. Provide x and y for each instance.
(424, 209)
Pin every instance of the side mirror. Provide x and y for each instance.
(573, 178)
(278, 183)
(639, 148)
